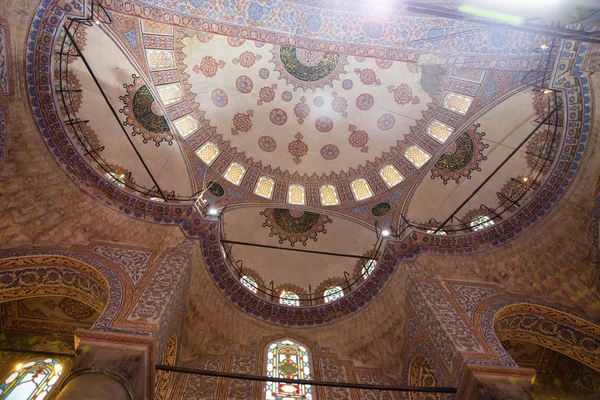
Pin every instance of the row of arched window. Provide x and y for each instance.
(476, 224)
(292, 299)
(31, 380)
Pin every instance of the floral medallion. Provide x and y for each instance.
(383, 64)
(324, 124)
(318, 101)
(330, 151)
(242, 122)
(301, 110)
(461, 157)
(339, 104)
(367, 76)
(267, 143)
(244, 84)
(403, 94)
(75, 309)
(219, 98)
(298, 148)
(278, 116)
(204, 37)
(235, 42)
(209, 66)
(307, 69)
(143, 113)
(286, 96)
(358, 138)
(347, 84)
(294, 226)
(365, 101)
(386, 122)
(266, 94)
(247, 59)
(264, 73)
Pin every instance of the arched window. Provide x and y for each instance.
(289, 299)
(481, 222)
(439, 232)
(32, 380)
(286, 359)
(249, 283)
(368, 268)
(116, 179)
(333, 293)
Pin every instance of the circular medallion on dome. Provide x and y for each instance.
(307, 69)
(381, 209)
(215, 189)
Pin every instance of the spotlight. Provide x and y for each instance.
(385, 233)
(213, 211)
(525, 179)
(19, 366)
(97, 21)
(544, 46)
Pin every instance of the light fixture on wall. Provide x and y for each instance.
(385, 233)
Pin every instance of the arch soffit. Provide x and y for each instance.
(420, 350)
(32, 273)
(543, 324)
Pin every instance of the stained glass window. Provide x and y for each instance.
(264, 187)
(361, 189)
(286, 359)
(118, 180)
(32, 380)
(296, 194)
(170, 94)
(159, 199)
(289, 299)
(390, 175)
(457, 103)
(235, 172)
(333, 293)
(481, 222)
(208, 152)
(329, 195)
(417, 156)
(186, 125)
(439, 232)
(368, 268)
(439, 131)
(249, 283)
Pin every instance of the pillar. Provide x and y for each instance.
(495, 383)
(93, 386)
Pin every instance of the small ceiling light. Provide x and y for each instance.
(525, 179)
(213, 211)
(19, 366)
(385, 233)
(97, 21)
(544, 46)
(546, 91)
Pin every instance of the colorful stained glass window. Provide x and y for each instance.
(368, 268)
(390, 175)
(186, 125)
(289, 299)
(264, 187)
(249, 283)
(235, 173)
(296, 194)
(457, 103)
(118, 180)
(481, 222)
(32, 380)
(361, 189)
(208, 152)
(170, 94)
(416, 155)
(333, 293)
(329, 195)
(289, 360)
(439, 131)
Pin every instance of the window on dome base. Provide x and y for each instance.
(170, 94)
(329, 195)
(289, 299)
(439, 131)
(361, 189)
(439, 232)
(186, 125)
(208, 152)
(417, 156)
(368, 268)
(249, 283)
(333, 293)
(289, 360)
(118, 180)
(457, 103)
(264, 187)
(390, 175)
(235, 173)
(32, 380)
(296, 194)
(481, 222)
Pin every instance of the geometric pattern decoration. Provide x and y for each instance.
(439, 130)
(329, 195)
(457, 103)
(461, 157)
(186, 125)
(294, 225)
(170, 94)
(296, 195)
(208, 152)
(160, 59)
(333, 293)
(361, 189)
(134, 263)
(32, 380)
(417, 156)
(390, 175)
(289, 360)
(264, 187)
(235, 173)
(249, 283)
